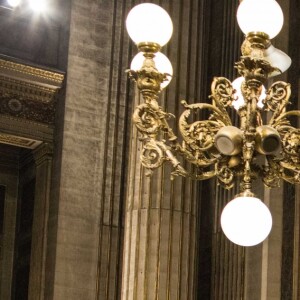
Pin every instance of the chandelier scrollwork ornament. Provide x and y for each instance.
(215, 147)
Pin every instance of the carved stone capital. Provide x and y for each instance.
(42, 153)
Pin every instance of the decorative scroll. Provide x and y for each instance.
(199, 135)
(147, 119)
(271, 174)
(152, 155)
(277, 99)
(223, 95)
(291, 146)
(225, 176)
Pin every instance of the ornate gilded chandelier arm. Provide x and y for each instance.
(199, 135)
(290, 173)
(222, 95)
(150, 119)
(272, 173)
(154, 153)
(291, 147)
(276, 100)
(282, 119)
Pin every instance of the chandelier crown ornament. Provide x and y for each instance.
(216, 147)
(158, 61)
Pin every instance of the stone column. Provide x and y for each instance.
(228, 259)
(8, 178)
(296, 265)
(160, 234)
(90, 157)
(263, 263)
(43, 160)
(160, 241)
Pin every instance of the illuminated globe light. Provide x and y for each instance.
(260, 16)
(236, 84)
(162, 63)
(246, 221)
(277, 59)
(149, 23)
(38, 5)
(13, 3)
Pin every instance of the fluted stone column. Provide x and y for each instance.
(160, 235)
(228, 259)
(160, 241)
(89, 173)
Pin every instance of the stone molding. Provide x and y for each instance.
(28, 98)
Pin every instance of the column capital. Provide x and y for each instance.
(42, 153)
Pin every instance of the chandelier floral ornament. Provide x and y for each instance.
(216, 147)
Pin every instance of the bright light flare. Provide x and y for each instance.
(13, 3)
(38, 5)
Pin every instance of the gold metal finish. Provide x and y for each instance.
(14, 67)
(149, 47)
(160, 144)
(19, 141)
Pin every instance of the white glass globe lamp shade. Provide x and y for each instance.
(277, 59)
(13, 3)
(246, 221)
(162, 63)
(260, 16)
(236, 84)
(149, 23)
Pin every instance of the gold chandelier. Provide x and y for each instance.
(216, 147)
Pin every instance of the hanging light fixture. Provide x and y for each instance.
(215, 146)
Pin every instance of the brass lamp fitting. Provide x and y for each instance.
(255, 43)
(148, 47)
(246, 193)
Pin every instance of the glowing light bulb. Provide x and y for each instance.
(150, 23)
(260, 16)
(246, 221)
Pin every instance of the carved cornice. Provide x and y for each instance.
(56, 78)
(28, 92)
